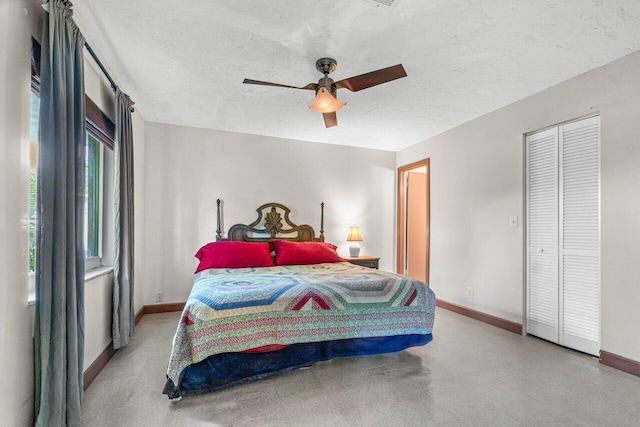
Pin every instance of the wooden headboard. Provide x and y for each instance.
(273, 223)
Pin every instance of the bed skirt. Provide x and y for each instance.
(224, 370)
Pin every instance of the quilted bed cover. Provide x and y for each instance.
(241, 309)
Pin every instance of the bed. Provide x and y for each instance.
(273, 297)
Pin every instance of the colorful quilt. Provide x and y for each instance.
(234, 310)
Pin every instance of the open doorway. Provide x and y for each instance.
(413, 221)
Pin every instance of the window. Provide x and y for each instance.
(98, 214)
(93, 202)
(33, 177)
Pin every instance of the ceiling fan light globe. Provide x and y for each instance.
(324, 102)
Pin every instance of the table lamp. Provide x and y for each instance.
(354, 237)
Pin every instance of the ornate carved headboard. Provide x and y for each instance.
(273, 223)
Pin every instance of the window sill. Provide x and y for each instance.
(88, 275)
(97, 272)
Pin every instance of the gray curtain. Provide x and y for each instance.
(59, 311)
(123, 315)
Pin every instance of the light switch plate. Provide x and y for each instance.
(513, 221)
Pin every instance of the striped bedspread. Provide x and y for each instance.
(233, 310)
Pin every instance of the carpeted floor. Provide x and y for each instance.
(470, 374)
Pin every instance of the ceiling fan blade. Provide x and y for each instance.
(330, 119)
(374, 78)
(310, 86)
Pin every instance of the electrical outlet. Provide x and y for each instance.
(469, 292)
(159, 297)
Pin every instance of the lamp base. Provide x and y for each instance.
(354, 251)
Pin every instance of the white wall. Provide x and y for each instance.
(187, 169)
(18, 21)
(139, 208)
(477, 183)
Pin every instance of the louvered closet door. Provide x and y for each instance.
(580, 235)
(542, 235)
(563, 235)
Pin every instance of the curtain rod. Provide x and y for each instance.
(45, 6)
(104, 70)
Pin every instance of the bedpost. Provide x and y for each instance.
(322, 222)
(218, 231)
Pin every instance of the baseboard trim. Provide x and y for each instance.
(618, 362)
(92, 371)
(163, 308)
(101, 361)
(498, 322)
(139, 315)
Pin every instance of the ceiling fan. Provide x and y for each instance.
(326, 101)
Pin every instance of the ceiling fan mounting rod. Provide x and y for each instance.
(326, 66)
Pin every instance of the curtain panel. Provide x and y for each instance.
(59, 311)
(123, 315)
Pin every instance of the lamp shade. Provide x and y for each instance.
(354, 234)
(324, 102)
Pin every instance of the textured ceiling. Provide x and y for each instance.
(183, 62)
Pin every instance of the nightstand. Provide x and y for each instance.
(363, 260)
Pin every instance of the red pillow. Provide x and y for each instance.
(294, 253)
(231, 254)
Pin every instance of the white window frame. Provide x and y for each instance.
(93, 262)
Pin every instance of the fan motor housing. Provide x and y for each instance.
(327, 82)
